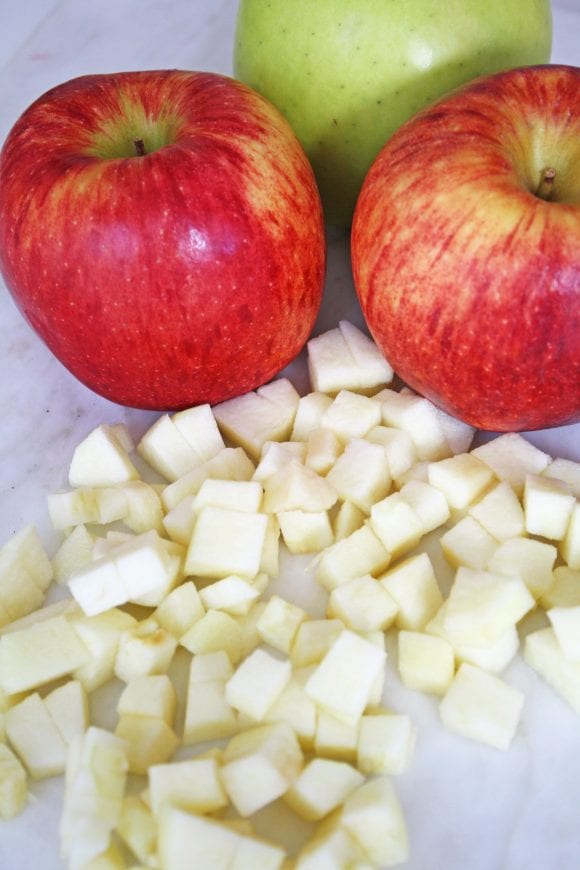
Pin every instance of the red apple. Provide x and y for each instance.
(162, 232)
(466, 250)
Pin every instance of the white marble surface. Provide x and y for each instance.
(467, 806)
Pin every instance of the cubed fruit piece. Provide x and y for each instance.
(137, 829)
(396, 524)
(386, 743)
(148, 741)
(347, 519)
(296, 487)
(231, 463)
(462, 479)
(40, 653)
(482, 707)
(144, 509)
(210, 666)
(34, 735)
(494, 658)
(144, 649)
(257, 683)
(208, 714)
(68, 708)
(428, 502)
(351, 416)
(458, 434)
(180, 609)
(361, 474)
(345, 358)
(279, 623)
(305, 532)
(19, 595)
(548, 505)
(239, 495)
(101, 460)
(95, 781)
(398, 445)
(467, 543)
(322, 450)
(511, 458)
(335, 739)
(343, 681)
(322, 786)
(308, 415)
(187, 840)
(26, 549)
(570, 545)
(500, 512)
(544, 654)
(295, 707)
(372, 815)
(151, 695)
(275, 455)
(233, 594)
(413, 587)
(260, 765)
(193, 785)
(426, 662)
(564, 590)
(74, 553)
(208, 557)
(566, 624)
(531, 560)
(566, 470)
(482, 606)
(363, 604)
(166, 450)
(111, 859)
(419, 419)
(330, 847)
(256, 417)
(313, 639)
(213, 632)
(255, 852)
(100, 634)
(360, 553)
(199, 428)
(13, 790)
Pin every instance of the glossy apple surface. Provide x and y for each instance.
(162, 232)
(347, 75)
(466, 257)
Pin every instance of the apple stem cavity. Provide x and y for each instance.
(139, 147)
(545, 188)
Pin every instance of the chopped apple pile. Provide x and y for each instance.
(231, 696)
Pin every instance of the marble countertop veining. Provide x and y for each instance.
(467, 806)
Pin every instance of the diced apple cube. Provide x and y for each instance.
(256, 417)
(531, 560)
(566, 470)
(19, 595)
(255, 852)
(213, 632)
(313, 639)
(462, 478)
(199, 428)
(279, 623)
(260, 765)
(548, 505)
(458, 434)
(511, 458)
(13, 790)
(570, 545)
(330, 847)
(187, 840)
(180, 521)
(419, 419)
(167, 451)
(193, 785)
(482, 707)
(305, 532)
(34, 735)
(372, 815)
(151, 695)
(210, 666)
(564, 590)
(345, 358)
(566, 624)
(343, 681)
(361, 474)
(101, 460)
(100, 634)
(386, 743)
(396, 524)
(68, 708)
(257, 683)
(426, 663)
(143, 650)
(322, 450)
(467, 543)
(413, 586)
(398, 445)
(232, 594)
(231, 463)
(244, 533)
(482, 606)
(208, 714)
(180, 609)
(544, 654)
(372, 368)
(494, 658)
(363, 604)
(322, 786)
(308, 415)
(40, 653)
(295, 707)
(74, 553)
(144, 509)
(239, 495)
(26, 550)
(148, 741)
(296, 487)
(275, 455)
(136, 827)
(428, 502)
(360, 553)
(351, 415)
(348, 518)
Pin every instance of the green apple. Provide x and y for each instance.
(348, 73)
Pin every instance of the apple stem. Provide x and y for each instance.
(139, 147)
(546, 186)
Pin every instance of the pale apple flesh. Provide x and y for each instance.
(162, 232)
(467, 259)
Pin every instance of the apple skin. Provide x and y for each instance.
(188, 275)
(347, 75)
(468, 280)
